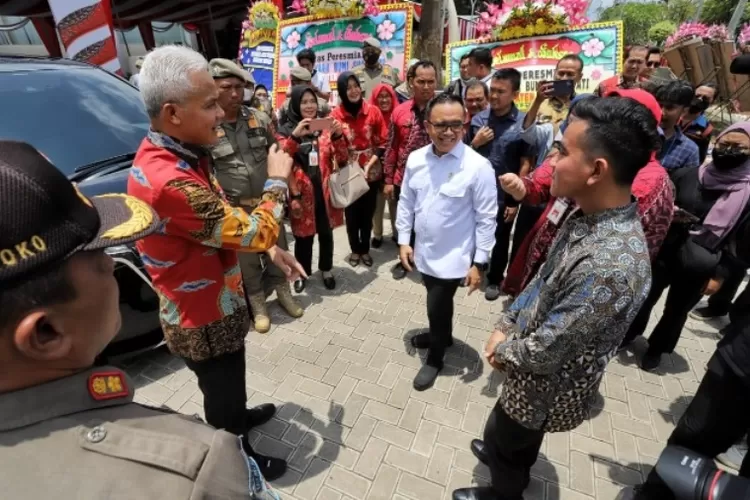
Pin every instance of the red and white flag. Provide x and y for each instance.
(86, 31)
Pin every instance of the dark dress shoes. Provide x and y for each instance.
(398, 272)
(260, 414)
(329, 283)
(376, 242)
(426, 377)
(477, 493)
(479, 450)
(299, 285)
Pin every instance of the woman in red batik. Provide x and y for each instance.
(384, 97)
(366, 131)
(313, 152)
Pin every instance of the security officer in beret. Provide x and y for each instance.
(372, 72)
(241, 165)
(302, 76)
(69, 430)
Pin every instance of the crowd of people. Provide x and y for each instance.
(584, 210)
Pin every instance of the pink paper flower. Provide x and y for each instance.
(592, 47)
(596, 74)
(386, 29)
(292, 41)
(744, 37)
(246, 24)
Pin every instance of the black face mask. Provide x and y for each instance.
(698, 105)
(371, 59)
(728, 158)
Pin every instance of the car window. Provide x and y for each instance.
(74, 115)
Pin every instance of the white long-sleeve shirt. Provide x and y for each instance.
(450, 202)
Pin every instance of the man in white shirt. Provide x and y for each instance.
(320, 83)
(449, 198)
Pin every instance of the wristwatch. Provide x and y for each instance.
(482, 267)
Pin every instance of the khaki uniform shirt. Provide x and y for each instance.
(82, 437)
(241, 156)
(553, 111)
(370, 78)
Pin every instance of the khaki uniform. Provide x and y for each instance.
(553, 111)
(370, 78)
(241, 165)
(82, 437)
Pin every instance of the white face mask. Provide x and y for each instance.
(247, 95)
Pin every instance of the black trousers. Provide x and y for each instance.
(685, 291)
(739, 313)
(222, 382)
(718, 417)
(721, 301)
(499, 257)
(359, 220)
(440, 293)
(511, 451)
(525, 220)
(303, 246)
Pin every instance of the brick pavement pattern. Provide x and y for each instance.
(352, 427)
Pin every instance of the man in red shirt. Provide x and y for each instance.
(407, 134)
(192, 259)
(635, 61)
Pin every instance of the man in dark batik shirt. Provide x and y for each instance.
(558, 336)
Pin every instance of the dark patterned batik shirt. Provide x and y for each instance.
(569, 321)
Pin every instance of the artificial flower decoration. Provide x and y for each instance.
(686, 31)
(328, 9)
(521, 18)
(386, 30)
(592, 47)
(292, 41)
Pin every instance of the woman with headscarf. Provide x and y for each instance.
(366, 133)
(261, 102)
(384, 98)
(651, 188)
(313, 152)
(697, 254)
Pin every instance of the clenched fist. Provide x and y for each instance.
(513, 185)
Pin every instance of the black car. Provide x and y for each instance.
(89, 123)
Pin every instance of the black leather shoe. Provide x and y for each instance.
(426, 377)
(299, 285)
(271, 468)
(479, 450)
(477, 493)
(376, 242)
(329, 283)
(421, 340)
(260, 414)
(398, 272)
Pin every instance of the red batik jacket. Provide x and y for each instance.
(406, 134)
(367, 133)
(192, 259)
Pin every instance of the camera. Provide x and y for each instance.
(691, 476)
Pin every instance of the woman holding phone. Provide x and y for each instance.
(366, 132)
(313, 144)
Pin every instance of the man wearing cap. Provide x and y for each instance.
(241, 166)
(70, 430)
(302, 76)
(372, 72)
(192, 260)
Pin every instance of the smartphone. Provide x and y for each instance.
(561, 88)
(320, 124)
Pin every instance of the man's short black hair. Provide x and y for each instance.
(654, 50)
(481, 55)
(48, 289)
(621, 130)
(442, 98)
(478, 83)
(632, 48)
(511, 75)
(308, 54)
(677, 92)
(464, 57)
(571, 57)
(422, 63)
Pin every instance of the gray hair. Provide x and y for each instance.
(165, 76)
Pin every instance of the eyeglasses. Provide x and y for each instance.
(652, 64)
(443, 127)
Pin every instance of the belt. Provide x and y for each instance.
(251, 203)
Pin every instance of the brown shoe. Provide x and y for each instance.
(286, 300)
(261, 319)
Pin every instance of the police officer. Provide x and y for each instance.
(69, 430)
(372, 72)
(302, 76)
(241, 164)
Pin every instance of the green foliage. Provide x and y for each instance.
(659, 32)
(637, 18)
(720, 11)
(680, 11)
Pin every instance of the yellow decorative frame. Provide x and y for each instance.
(481, 41)
(409, 8)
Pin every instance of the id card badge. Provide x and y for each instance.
(558, 209)
(312, 158)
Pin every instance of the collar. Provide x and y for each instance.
(88, 390)
(364, 110)
(700, 121)
(511, 115)
(678, 135)
(190, 153)
(377, 67)
(583, 225)
(457, 151)
(557, 103)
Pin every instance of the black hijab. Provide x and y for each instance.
(342, 83)
(294, 112)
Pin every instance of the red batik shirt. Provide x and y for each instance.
(367, 133)
(406, 134)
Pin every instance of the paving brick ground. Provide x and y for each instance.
(352, 427)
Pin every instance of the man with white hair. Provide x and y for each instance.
(192, 259)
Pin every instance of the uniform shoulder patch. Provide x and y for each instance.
(387, 70)
(107, 385)
(220, 132)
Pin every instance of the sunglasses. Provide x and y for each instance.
(652, 64)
